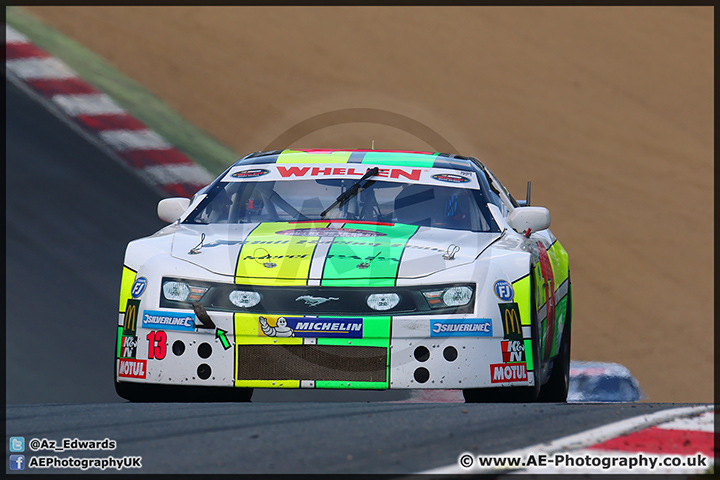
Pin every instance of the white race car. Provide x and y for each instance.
(346, 269)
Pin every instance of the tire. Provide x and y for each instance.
(514, 394)
(556, 388)
(147, 393)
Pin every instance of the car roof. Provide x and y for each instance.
(376, 157)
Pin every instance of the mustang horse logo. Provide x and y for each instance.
(314, 301)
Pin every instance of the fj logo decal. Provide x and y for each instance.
(130, 320)
(504, 290)
(510, 316)
(138, 287)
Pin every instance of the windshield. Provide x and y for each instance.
(377, 201)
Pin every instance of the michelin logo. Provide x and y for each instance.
(281, 328)
(312, 327)
(476, 327)
(168, 320)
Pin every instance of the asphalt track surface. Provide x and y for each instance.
(70, 211)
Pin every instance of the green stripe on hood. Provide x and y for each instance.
(352, 263)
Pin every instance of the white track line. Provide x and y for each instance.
(582, 439)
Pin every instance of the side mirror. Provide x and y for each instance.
(534, 218)
(171, 209)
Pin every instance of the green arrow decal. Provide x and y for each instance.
(221, 334)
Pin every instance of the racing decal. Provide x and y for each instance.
(131, 368)
(329, 232)
(504, 290)
(128, 347)
(352, 171)
(513, 350)
(375, 333)
(248, 331)
(451, 178)
(221, 335)
(404, 159)
(138, 287)
(529, 356)
(376, 157)
(280, 329)
(128, 278)
(510, 318)
(310, 327)
(169, 320)
(157, 345)
(264, 246)
(549, 286)
(521, 287)
(508, 372)
(313, 156)
(358, 263)
(118, 340)
(130, 320)
(477, 327)
(251, 173)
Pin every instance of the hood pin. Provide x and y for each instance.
(367, 263)
(451, 251)
(198, 247)
(267, 264)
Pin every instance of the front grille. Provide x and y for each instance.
(312, 362)
(321, 300)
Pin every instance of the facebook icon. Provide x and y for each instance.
(17, 462)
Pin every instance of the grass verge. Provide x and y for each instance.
(200, 146)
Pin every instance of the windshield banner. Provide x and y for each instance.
(426, 176)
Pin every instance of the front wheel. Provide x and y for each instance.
(556, 388)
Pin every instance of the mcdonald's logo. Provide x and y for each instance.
(131, 315)
(510, 316)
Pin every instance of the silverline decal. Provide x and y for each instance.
(478, 327)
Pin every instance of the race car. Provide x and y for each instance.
(346, 269)
(603, 382)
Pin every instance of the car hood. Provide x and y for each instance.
(335, 253)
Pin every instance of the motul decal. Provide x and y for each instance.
(508, 372)
(131, 368)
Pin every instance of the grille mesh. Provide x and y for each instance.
(312, 362)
